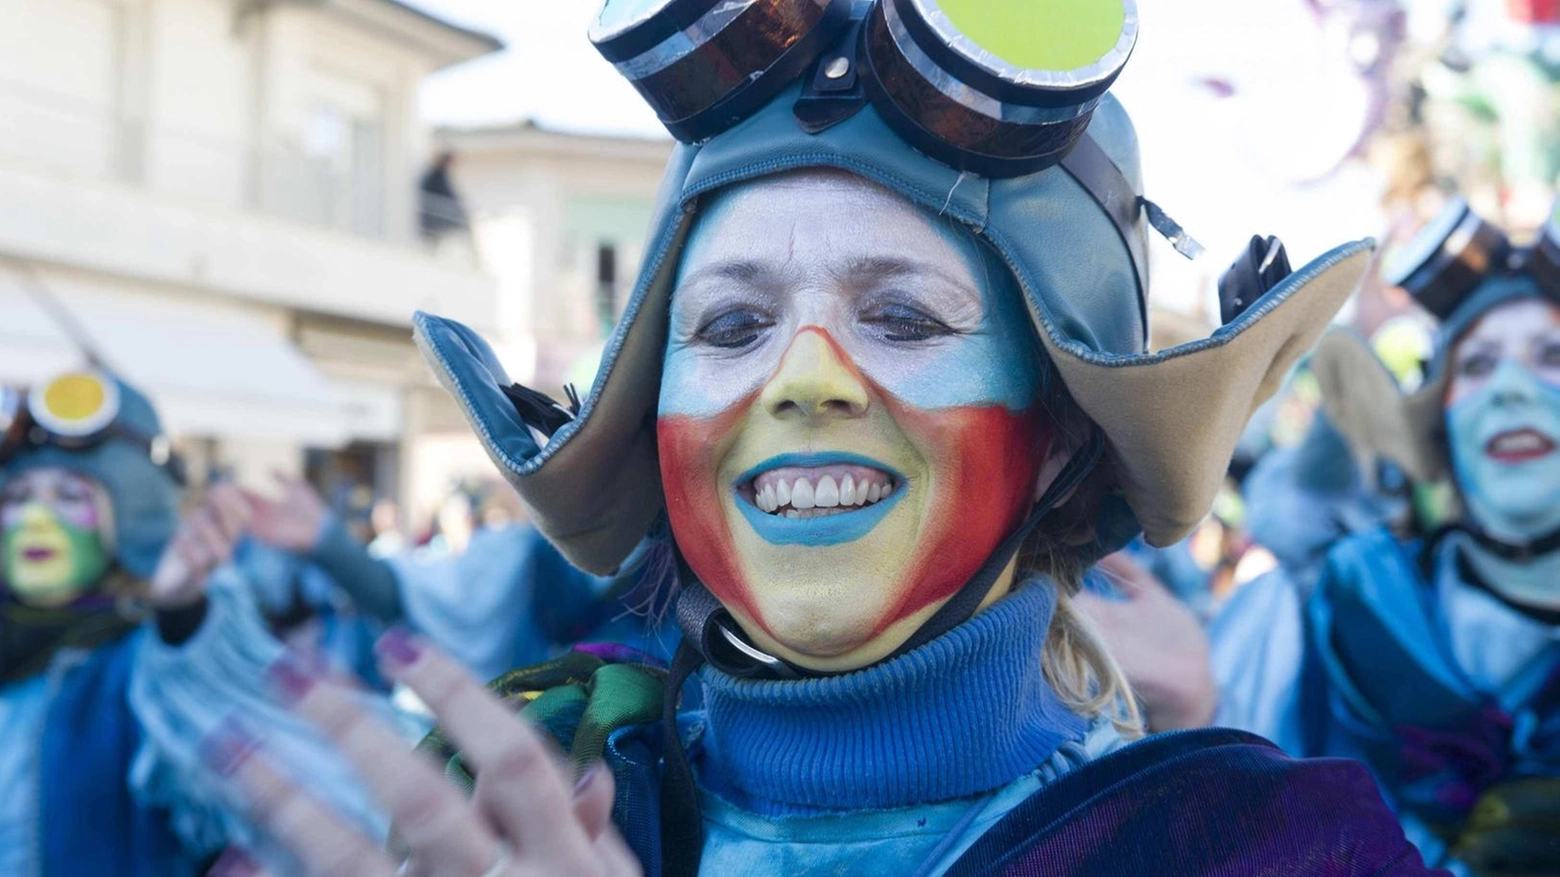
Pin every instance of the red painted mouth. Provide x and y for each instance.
(36, 555)
(1519, 446)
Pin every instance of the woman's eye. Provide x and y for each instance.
(734, 330)
(901, 323)
(1476, 366)
(74, 493)
(1549, 354)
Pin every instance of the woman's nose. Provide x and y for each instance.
(1513, 384)
(35, 515)
(816, 379)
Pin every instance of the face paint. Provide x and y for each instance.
(1503, 420)
(849, 419)
(49, 561)
(52, 548)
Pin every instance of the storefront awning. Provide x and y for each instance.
(213, 368)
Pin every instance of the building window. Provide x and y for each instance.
(607, 283)
(343, 180)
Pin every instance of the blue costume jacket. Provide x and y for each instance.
(101, 765)
(1400, 659)
(958, 758)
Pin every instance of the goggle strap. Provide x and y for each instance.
(1171, 230)
(1107, 185)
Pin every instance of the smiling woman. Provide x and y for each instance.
(1435, 655)
(830, 403)
(880, 395)
(1503, 419)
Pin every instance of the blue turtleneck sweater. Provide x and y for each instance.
(897, 766)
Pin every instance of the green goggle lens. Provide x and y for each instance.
(1000, 89)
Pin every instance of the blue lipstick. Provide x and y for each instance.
(832, 529)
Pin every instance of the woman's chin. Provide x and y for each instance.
(831, 641)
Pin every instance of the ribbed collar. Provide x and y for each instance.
(966, 713)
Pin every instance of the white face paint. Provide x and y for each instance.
(850, 417)
(1503, 419)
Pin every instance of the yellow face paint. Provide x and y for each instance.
(48, 562)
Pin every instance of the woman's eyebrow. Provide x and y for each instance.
(740, 270)
(868, 269)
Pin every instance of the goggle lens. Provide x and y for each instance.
(1447, 259)
(76, 405)
(1076, 35)
(998, 88)
(705, 65)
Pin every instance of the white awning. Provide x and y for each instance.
(211, 367)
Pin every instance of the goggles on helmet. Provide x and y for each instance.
(1459, 250)
(975, 84)
(75, 410)
(978, 85)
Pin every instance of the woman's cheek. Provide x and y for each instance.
(690, 451)
(985, 461)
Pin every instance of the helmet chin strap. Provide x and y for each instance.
(711, 635)
(1521, 552)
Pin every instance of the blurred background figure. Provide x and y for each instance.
(126, 637)
(485, 585)
(440, 208)
(388, 538)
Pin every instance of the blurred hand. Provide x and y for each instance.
(293, 522)
(203, 542)
(1159, 643)
(525, 817)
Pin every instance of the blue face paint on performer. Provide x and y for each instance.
(1503, 420)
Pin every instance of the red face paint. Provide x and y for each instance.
(987, 460)
(693, 500)
(982, 464)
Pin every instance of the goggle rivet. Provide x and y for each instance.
(837, 68)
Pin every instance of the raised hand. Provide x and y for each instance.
(292, 522)
(526, 816)
(1159, 643)
(203, 541)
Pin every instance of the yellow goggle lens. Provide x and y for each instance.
(75, 397)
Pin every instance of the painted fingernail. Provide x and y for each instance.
(290, 678)
(398, 647)
(234, 862)
(588, 778)
(228, 746)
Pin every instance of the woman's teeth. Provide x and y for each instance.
(830, 490)
(1519, 444)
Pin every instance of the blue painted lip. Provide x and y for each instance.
(832, 529)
